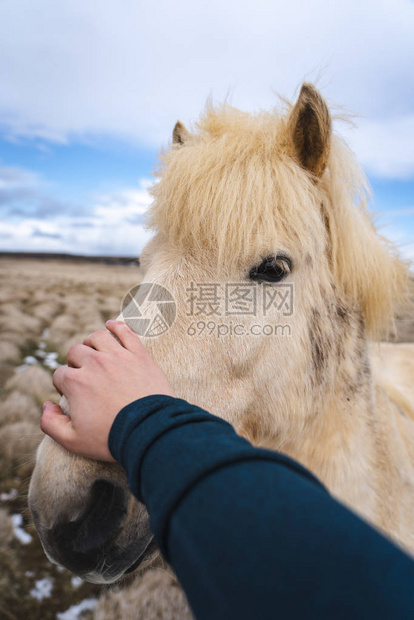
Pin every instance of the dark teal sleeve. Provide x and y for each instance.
(251, 533)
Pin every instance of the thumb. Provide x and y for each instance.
(56, 424)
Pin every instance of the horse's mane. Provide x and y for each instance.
(366, 266)
(234, 188)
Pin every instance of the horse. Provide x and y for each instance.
(260, 223)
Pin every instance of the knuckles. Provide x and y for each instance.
(58, 375)
(99, 334)
(95, 356)
(74, 349)
(65, 377)
(99, 359)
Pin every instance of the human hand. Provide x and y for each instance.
(102, 376)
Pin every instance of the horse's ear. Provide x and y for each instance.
(310, 129)
(180, 133)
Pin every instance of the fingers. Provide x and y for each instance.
(57, 425)
(78, 354)
(62, 377)
(101, 341)
(126, 336)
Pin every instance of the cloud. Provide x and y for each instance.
(16, 185)
(24, 193)
(112, 223)
(385, 148)
(78, 69)
(128, 203)
(397, 225)
(402, 240)
(48, 235)
(113, 226)
(11, 177)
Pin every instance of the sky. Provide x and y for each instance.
(91, 90)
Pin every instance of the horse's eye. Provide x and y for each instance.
(271, 269)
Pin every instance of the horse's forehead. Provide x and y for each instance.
(237, 210)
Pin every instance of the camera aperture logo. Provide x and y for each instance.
(149, 309)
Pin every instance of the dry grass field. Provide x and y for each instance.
(45, 306)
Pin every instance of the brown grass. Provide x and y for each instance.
(6, 529)
(139, 600)
(19, 407)
(19, 442)
(35, 381)
(9, 352)
(70, 300)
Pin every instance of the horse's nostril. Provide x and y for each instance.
(100, 522)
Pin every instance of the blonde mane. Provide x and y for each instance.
(233, 187)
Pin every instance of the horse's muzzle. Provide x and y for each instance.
(82, 544)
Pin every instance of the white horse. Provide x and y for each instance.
(260, 224)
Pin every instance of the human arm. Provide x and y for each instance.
(250, 533)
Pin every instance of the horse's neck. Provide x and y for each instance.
(335, 433)
(352, 436)
(340, 439)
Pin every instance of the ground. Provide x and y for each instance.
(45, 306)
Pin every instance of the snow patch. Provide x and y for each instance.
(29, 360)
(45, 334)
(19, 532)
(43, 589)
(76, 582)
(5, 497)
(50, 360)
(74, 612)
